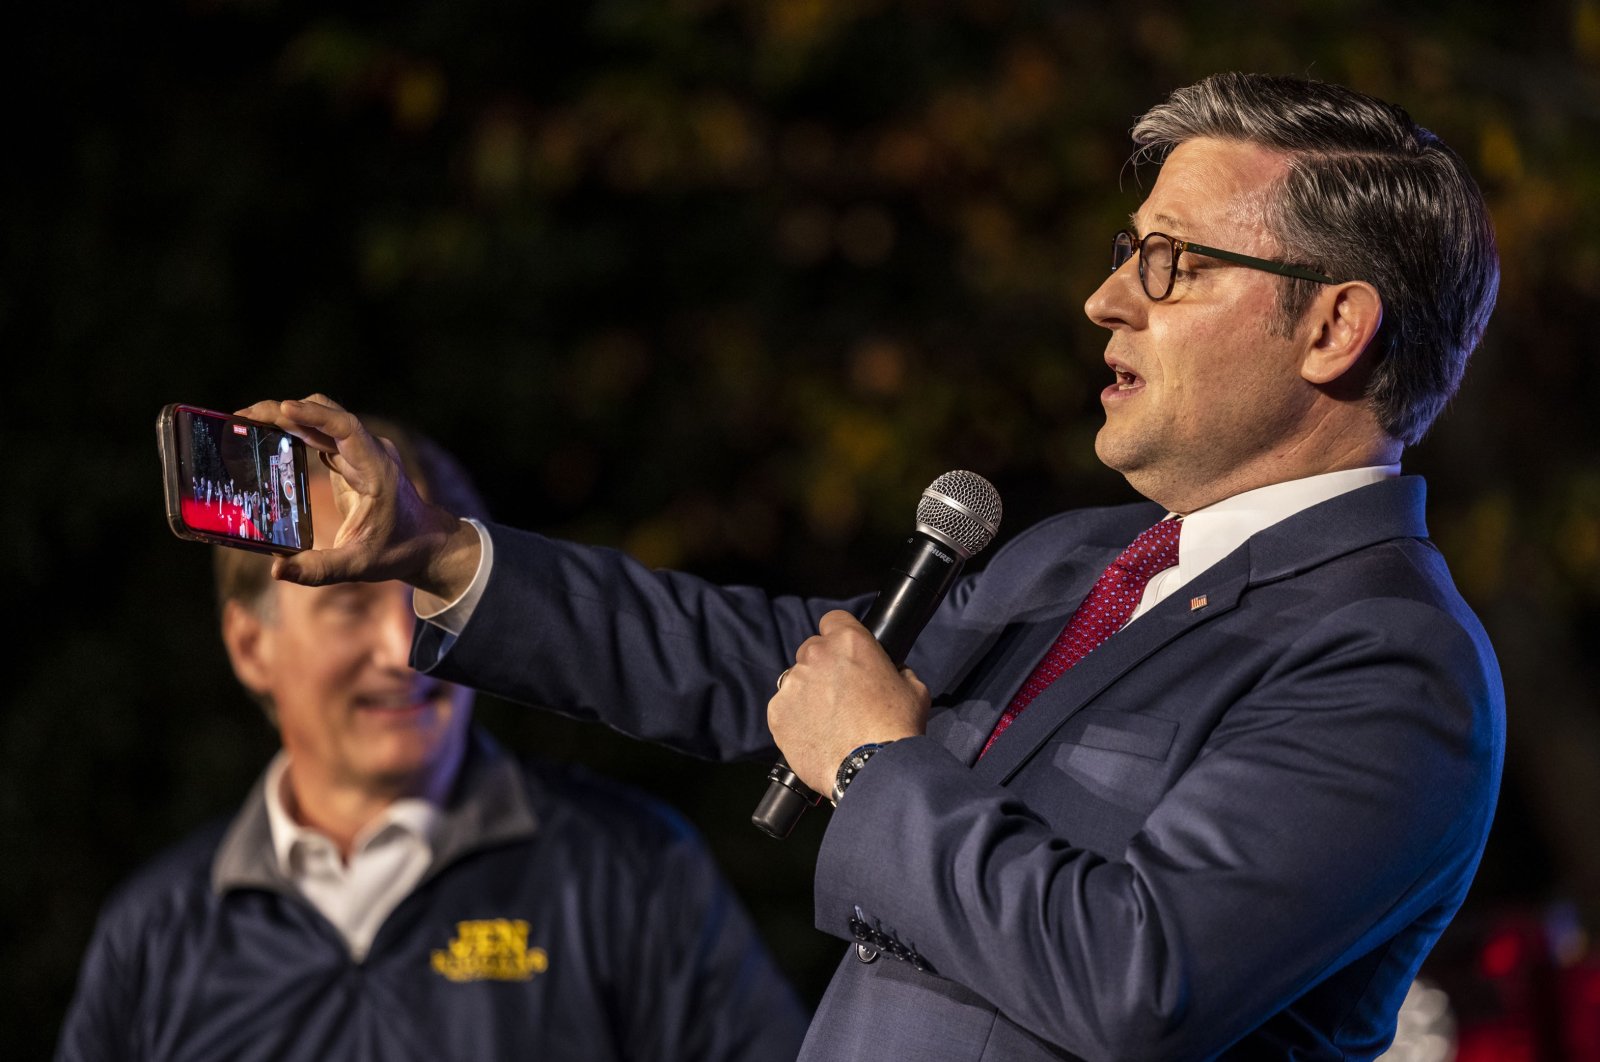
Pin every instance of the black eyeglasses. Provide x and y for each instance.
(1158, 261)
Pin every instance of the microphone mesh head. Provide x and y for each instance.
(961, 509)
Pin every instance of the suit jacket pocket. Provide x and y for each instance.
(1116, 769)
(1137, 735)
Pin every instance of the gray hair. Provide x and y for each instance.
(1369, 195)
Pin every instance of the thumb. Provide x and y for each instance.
(312, 567)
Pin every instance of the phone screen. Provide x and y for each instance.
(234, 481)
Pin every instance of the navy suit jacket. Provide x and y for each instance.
(1235, 828)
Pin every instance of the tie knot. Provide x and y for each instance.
(1154, 550)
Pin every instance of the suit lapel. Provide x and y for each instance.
(1010, 654)
(1361, 518)
(1221, 585)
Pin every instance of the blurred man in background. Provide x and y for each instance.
(398, 887)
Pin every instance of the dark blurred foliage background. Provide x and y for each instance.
(724, 283)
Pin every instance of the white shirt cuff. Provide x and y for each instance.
(452, 616)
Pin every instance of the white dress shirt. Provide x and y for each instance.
(452, 616)
(1212, 533)
(387, 859)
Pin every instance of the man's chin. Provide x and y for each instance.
(1134, 464)
(1115, 451)
(402, 773)
(402, 751)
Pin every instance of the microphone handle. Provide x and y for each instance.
(785, 800)
(919, 578)
(921, 575)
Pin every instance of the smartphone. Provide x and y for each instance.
(233, 482)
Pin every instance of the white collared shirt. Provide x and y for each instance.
(1212, 533)
(387, 859)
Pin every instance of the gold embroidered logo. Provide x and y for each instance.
(493, 949)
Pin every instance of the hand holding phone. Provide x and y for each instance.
(232, 481)
(388, 530)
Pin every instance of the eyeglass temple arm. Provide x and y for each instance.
(1280, 268)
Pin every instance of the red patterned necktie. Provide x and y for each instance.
(1103, 613)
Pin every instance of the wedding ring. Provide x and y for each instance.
(782, 673)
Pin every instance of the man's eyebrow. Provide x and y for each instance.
(1166, 221)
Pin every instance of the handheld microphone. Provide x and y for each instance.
(957, 517)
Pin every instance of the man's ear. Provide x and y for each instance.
(1344, 318)
(245, 635)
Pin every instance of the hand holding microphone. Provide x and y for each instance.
(847, 677)
(842, 685)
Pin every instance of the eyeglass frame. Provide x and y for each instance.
(1268, 265)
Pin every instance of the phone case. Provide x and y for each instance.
(268, 513)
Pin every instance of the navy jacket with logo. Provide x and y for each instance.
(563, 918)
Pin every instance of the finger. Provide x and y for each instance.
(317, 567)
(278, 414)
(323, 415)
(299, 568)
(849, 635)
(328, 419)
(357, 454)
(321, 399)
(810, 651)
(265, 410)
(837, 620)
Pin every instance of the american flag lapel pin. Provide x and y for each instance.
(1197, 603)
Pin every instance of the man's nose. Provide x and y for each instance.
(396, 621)
(1120, 299)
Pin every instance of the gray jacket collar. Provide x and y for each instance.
(489, 806)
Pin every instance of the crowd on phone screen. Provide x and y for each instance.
(220, 505)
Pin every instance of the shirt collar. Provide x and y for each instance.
(411, 815)
(492, 803)
(1212, 533)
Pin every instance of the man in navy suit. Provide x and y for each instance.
(1195, 777)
